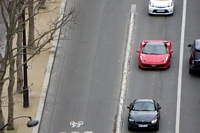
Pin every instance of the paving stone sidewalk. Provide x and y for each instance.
(36, 76)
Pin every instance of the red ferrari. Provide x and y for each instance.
(154, 54)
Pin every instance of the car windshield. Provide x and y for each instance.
(143, 106)
(154, 48)
(197, 54)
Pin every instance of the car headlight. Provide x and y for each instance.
(154, 121)
(131, 120)
(170, 4)
(141, 58)
(151, 4)
(165, 60)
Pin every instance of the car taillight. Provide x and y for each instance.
(192, 62)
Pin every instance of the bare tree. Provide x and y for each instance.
(20, 77)
(12, 11)
(31, 24)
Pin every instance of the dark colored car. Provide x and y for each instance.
(144, 114)
(194, 61)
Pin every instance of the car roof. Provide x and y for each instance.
(155, 43)
(145, 100)
(197, 44)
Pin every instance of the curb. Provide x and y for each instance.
(125, 71)
(49, 67)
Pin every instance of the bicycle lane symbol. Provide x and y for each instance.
(76, 124)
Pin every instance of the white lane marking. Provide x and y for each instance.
(79, 132)
(180, 67)
(125, 72)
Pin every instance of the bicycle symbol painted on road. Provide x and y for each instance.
(76, 124)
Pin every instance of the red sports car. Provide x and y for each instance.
(154, 54)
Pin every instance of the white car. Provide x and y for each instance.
(161, 7)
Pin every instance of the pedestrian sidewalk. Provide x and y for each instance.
(36, 75)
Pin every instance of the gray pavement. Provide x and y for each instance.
(66, 5)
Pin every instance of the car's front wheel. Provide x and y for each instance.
(129, 127)
(157, 128)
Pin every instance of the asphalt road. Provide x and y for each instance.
(85, 81)
(190, 98)
(86, 77)
(162, 85)
(155, 84)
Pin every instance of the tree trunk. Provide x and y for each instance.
(31, 37)
(10, 94)
(2, 81)
(20, 78)
(2, 120)
(11, 83)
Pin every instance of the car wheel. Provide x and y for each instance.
(129, 127)
(139, 67)
(190, 71)
(157, 128)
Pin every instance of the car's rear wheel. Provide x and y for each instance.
(190, 71)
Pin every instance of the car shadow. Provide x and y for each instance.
(143, 131)
(156, 69)
(196, 74)
(157, 15)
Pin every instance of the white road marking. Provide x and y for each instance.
(125, 72)
(79, 132)
(180, 67)
(76, 124)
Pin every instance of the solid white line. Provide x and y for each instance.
(180, 67)
(125, 72)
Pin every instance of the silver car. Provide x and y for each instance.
(161, 7)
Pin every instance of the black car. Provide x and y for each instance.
(194, 61)
(144, 114)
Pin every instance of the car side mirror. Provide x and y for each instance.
(138, 51)
(130, 106)
(159, 107)
(189, 45)
(171, 51)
